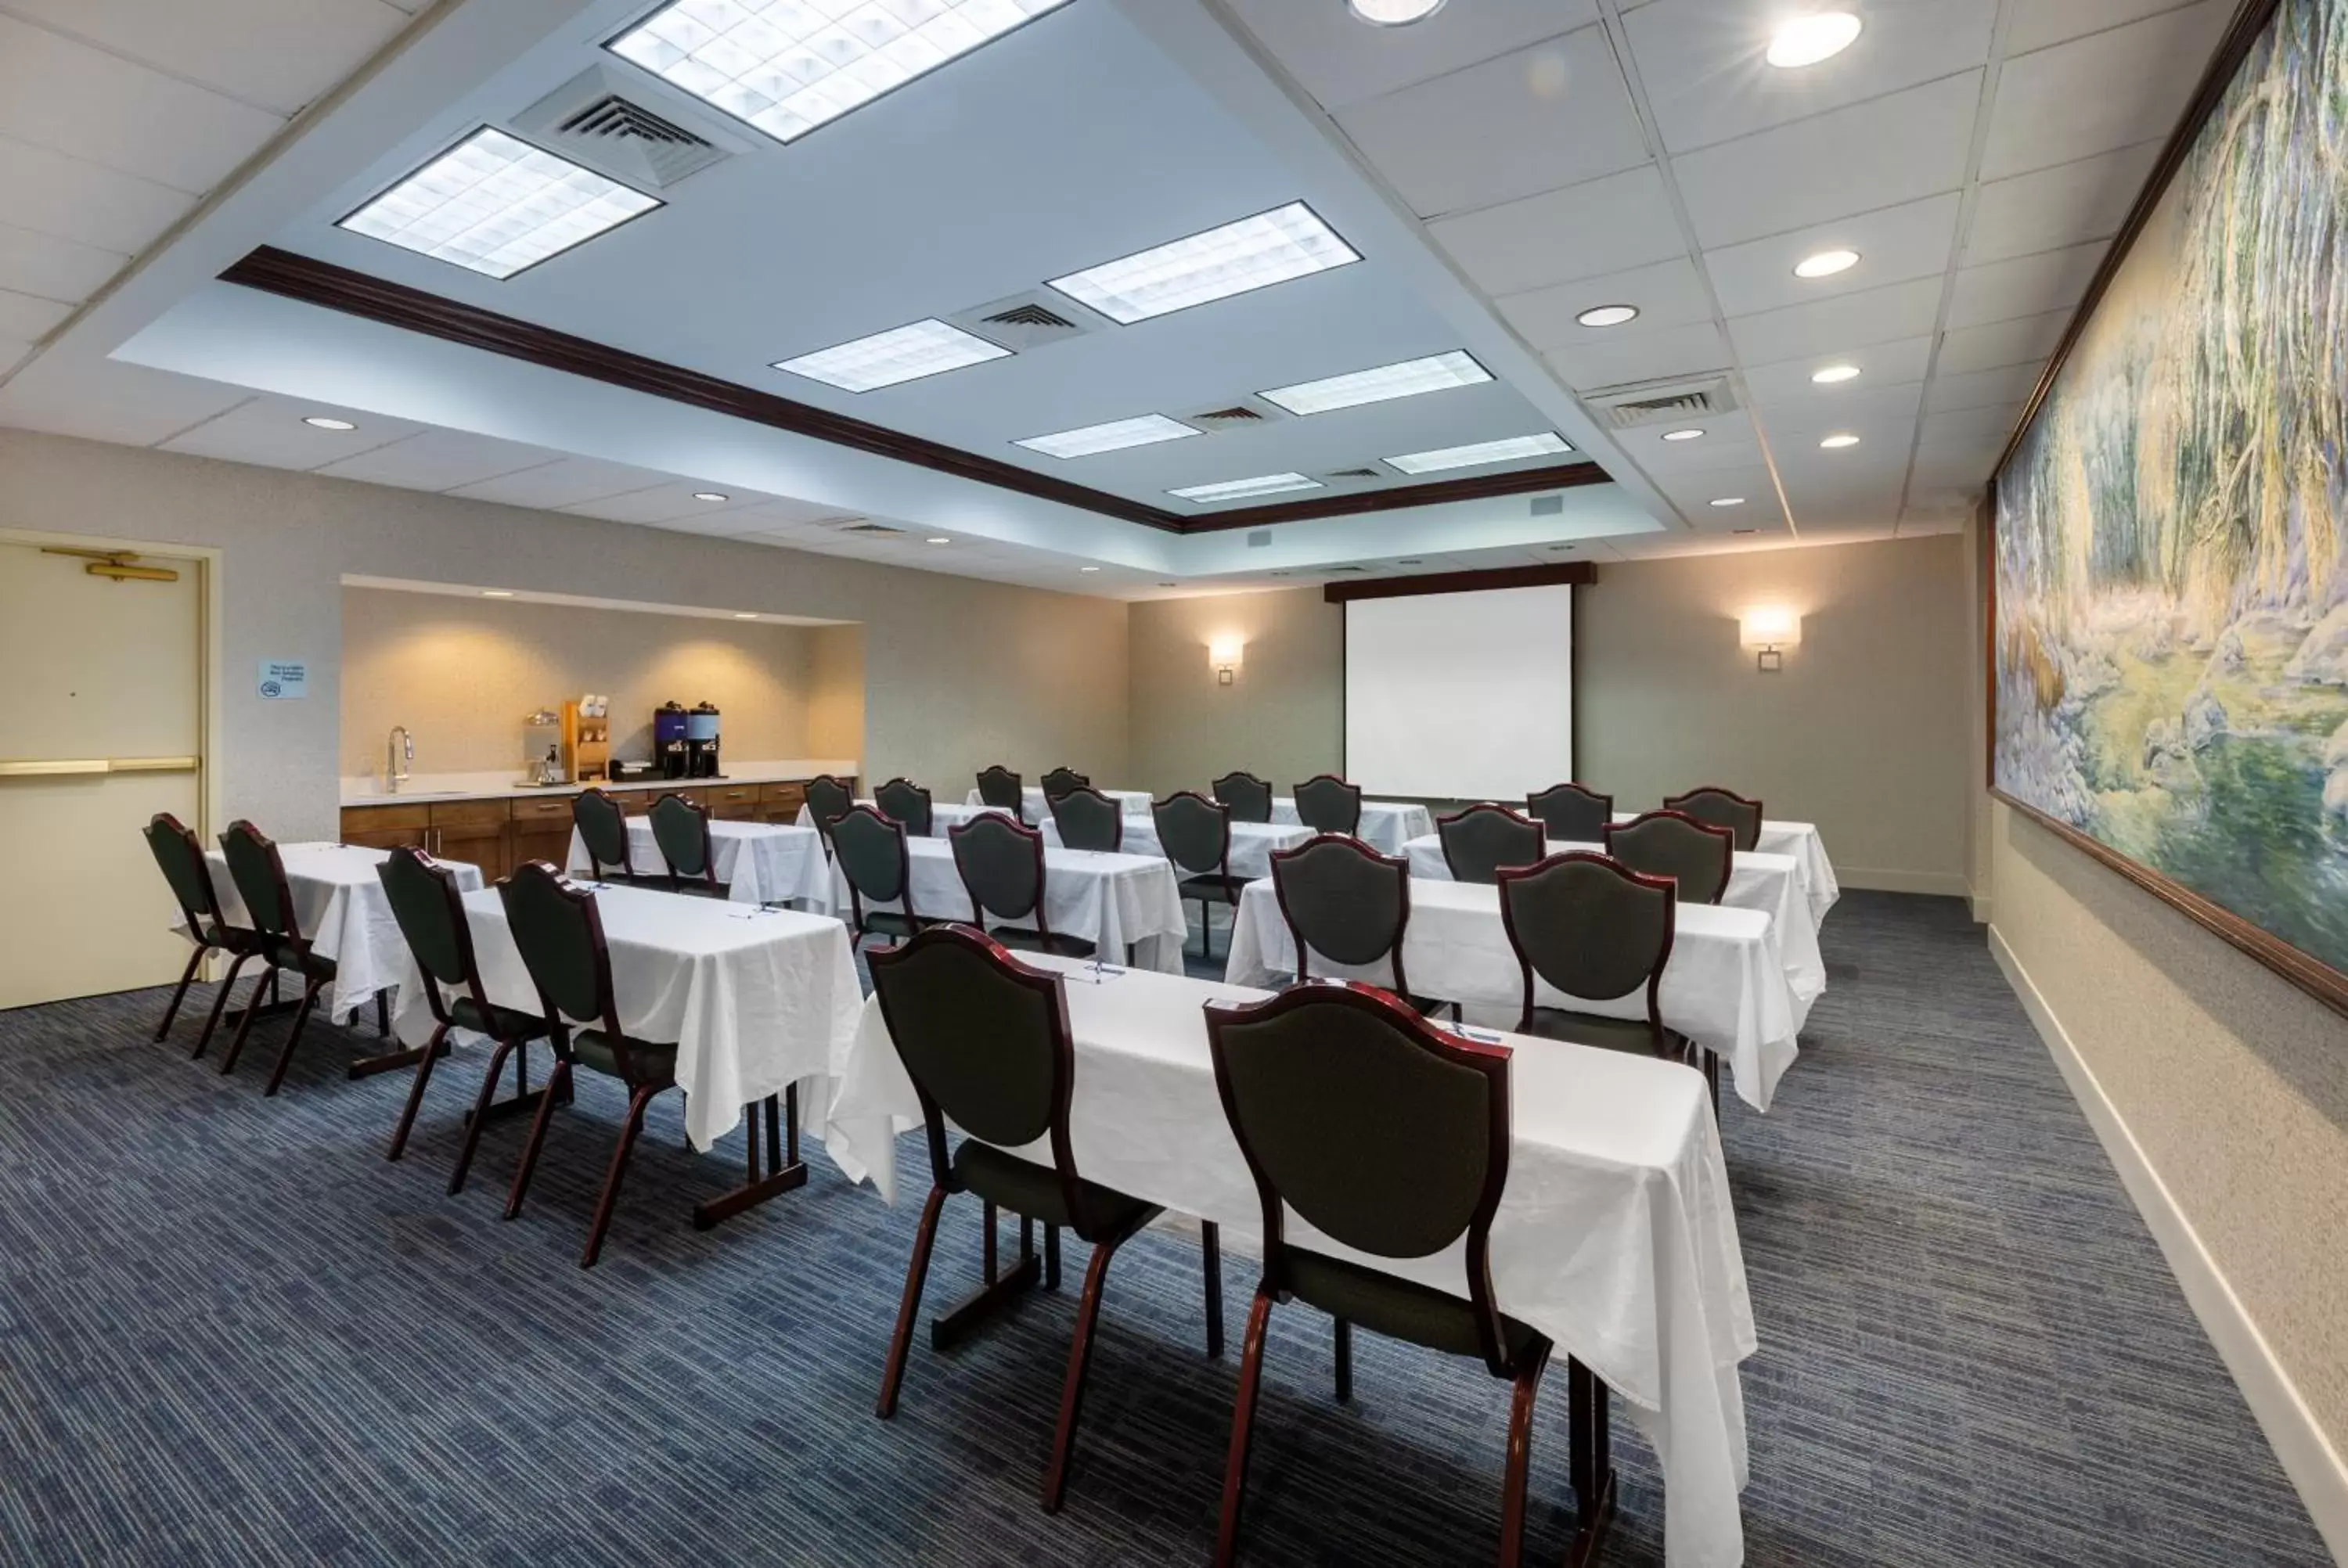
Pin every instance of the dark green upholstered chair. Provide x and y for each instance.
(870, 849)
(1572, 812)
(1248, 796)
(1672, 844)
(1195, 833)
(602, 826)
(259, 876)
(1002, 867)
(1483, 837)
(680, 829)
(1327, 803)
(999, 787)
(986, 1042)
(1346, 902)
(559, 932)
(828, 800)
(1311, 1081)
(906, 802)
(1722, 808)
(1088, 819)
(1060, 780)
(180, 855)
(431, 908)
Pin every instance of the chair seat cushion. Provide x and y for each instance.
(891, 923)
(1396, 1307)
(1027, 1188)
(653, 1063)
(1058, 942)
(500, 1023)
(1211, 885)
(228, 938)
(287, 954)
(1630, 1034)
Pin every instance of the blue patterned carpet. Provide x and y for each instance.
(230, 1333)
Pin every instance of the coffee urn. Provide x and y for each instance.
(701, 741)
(669, 750)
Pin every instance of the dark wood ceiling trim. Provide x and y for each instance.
(1573, 571)
(1524, 481)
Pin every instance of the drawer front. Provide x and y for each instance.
(470, 814)
(536, 842)
(542, 810)
(383, 818)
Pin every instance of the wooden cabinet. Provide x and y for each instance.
(733, 801)
(387, 827)
(781, 802)
(541, 830)
(473, 831)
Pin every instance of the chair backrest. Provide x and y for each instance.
(1088, 819)
(1343, 900)
(180, 855)
(603, 829)
(431, 908)
(1674, 843)
(1573, 812)
(259, 872)
(559, 932)
(828, 800)
(908, 803)
(1316, 1080)
(999, 787)
(1002, 866)
(985, 1039)
(871, 852)
(1591, 927)
(1060, 780)
(681, 828)
(1327, 803)
(1722, 808)
(1483, 837)
(1194, 833)
(1248, 796)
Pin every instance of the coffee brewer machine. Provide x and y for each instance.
(668, 740)
(701, 741)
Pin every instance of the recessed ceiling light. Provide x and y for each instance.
(1547, 444)
(909, 353)
(1114, 436)
(1807, 40)
(497, 205)
(745, 615)
(937, 539)
(1255, 253)
(1729, 501)
(1096, 568)
(1169, 585)
(1744, 531)
(1607, 315)
(496, 593)
(788, 66)
(1830, 374)
(1684, 435)
(710, 496)
(1410, 563)
(1826, 263)
(1393, 13)
(1839, 440)
(320, 421)
(1233, 489)
(1380, 383)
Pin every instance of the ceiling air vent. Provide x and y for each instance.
(870, 528)
(1651, 401)
(1025, 322)
(1242, 413)
(1354, 474)
(611, 127)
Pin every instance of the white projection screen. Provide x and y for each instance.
(1460, 696)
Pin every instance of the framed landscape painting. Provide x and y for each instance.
(2169, 628)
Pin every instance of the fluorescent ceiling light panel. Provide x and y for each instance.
(1114, 436)
(902, 353)
(1235, 489)
(1255, 253)
(1407, 379)
(1547, 444)
(497, 205)
(788, 66)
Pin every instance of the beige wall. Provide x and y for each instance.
(835, 718)
(1281, 718)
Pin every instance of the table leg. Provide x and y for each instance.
(1592, 1463)
(778, 1176)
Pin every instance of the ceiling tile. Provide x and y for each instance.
(1828, 326)
(1667, 294)
(2024, 285)
(1642, 357)
(1914, 240)
(107, 400)
(1982, 388)
(2027, 340)
(439, 461)
(563, 483)
(277, 54)
(2104, 91)
(1787, 381)
(1606, 225)
(50, 192)
(1727, 442)
(28, 316)
(1702, 62)
(1885, 428)
(1952, 468)
(1339, 61)
(671, 503)
(1556, 114)
(53, 267)
(1969, 428)
(1901, 148)
(269, 431)
(2051, 208)
(2035, 27)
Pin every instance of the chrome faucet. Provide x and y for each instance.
(403, 752)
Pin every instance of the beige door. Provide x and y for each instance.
(101, 726)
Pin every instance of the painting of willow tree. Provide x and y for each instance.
(2171, 636)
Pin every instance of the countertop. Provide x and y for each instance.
(503, 784)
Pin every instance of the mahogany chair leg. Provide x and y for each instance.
(293, 1037)
(1051, 1257)
(244, 1023)
(480, 1113)
(1521, 1447)
(1591, 1463)
(610, 1197)
(1210, 1258)
(220, 1004)
(1344, 1362)
(416, 1094)
(187, 978)
(1235, 1465)
(1072, 1392)
(909, 1306)
(537, 1139)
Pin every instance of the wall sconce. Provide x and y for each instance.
(1224, 655)
(1771, 630)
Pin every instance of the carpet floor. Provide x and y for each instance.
(230, 1333)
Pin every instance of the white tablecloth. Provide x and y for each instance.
(340, 904)
(1115, 902)
(944, 815)
(756, 999)
(1252, 842)
(1800, 840)
(759, 862)
(1615, 1235)
(1386, 824)
(1136, 803)
(1725, 986)
(1772, 884)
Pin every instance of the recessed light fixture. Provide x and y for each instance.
(1744, 531)
(1829, 375)
(710, 496)
(1826, 263)
(496, 593)
(497, 205)
(926, 347)
(1839, 440)
(1096, 568)
(1807, 40)
(1380, 383)
(320, 421)
(745, 615)
(1547, 443)
(1729, 501)
(1393, 13)
(788, 66)
(1255, 253)
(1688, 434)
(1410, 563)
(937, 539)
(1607, 315)
(1233, 489)
(1114, 436)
